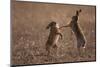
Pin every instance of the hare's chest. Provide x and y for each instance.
(56, 39)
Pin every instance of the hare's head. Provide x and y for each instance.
(52, 24)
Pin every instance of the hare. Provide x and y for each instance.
(54, 36)
(81, 41)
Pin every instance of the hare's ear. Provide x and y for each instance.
(80, 10)
(49, 25)
(77, 12)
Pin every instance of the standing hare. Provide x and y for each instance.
(81, 42)
(54, 36)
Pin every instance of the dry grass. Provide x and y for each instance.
(29, 35)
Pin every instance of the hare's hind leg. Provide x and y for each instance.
(55, 49)
(81, 51)
(83, 46)
(78, 47)
(47, 50)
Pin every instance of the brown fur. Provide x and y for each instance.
(53, 36)
(81, 42)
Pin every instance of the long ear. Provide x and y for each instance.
(49, 25)
(80, 10)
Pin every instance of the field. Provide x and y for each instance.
(29, 33)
